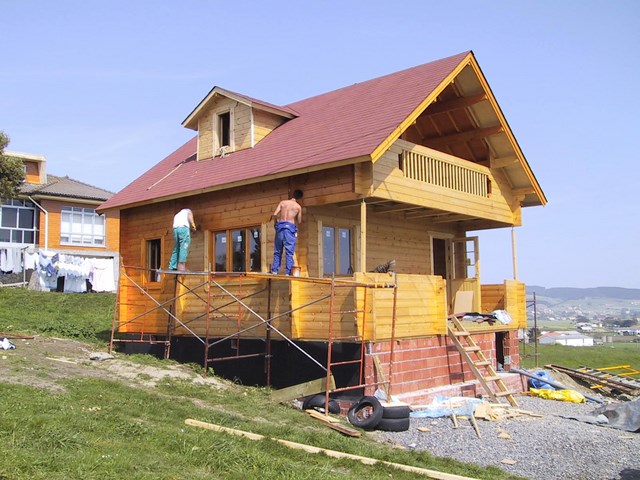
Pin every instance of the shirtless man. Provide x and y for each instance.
(287, 214)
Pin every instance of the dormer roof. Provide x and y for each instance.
(192, 120)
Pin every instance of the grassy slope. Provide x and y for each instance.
(107, 429)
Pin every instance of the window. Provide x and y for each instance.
(238, 250)
(224, 129)
(154, 259)
(336, 250)
(18, 222)
(81, 226)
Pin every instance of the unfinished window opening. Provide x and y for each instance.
(238, 250)
(224, 129)
(154, 259)
(337, 251)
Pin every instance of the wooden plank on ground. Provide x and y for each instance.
(302, 389)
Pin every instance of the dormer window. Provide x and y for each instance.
(224, 129)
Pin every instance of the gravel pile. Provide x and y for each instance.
(546, 448)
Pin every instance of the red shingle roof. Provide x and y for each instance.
(340, 125)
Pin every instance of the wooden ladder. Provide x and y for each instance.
(477, 361)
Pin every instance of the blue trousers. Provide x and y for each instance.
(285, 240)
(181, 242)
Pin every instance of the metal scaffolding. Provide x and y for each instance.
(219, 297)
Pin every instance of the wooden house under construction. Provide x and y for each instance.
(400, 168)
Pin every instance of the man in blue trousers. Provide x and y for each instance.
(287, 214)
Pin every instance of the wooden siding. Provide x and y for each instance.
(241, 137)
(54, 207)
(509, 296)
(264, 123)
(390, 182)
(420, 306)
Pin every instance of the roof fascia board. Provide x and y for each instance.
(190, 121)
(242, 183)
(63, 198)
(507, 131)
(387, 142)
(25, 156)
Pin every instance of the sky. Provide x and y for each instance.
(101, 88)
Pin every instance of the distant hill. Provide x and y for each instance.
(569, 293)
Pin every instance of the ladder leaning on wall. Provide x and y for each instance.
(477, 361)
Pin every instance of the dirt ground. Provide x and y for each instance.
(44, 362)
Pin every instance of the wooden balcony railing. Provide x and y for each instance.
(437, 168)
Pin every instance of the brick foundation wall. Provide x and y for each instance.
(434, 364)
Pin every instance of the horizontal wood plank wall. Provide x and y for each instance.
(516, 302)
(264, 123)
(492, 297)
(138, 312)
(227, 315)
(241, 127)
(311, 322)
(420, 306)
(390, 182)
(389, 237)
(54, 207)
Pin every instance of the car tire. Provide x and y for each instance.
(398, 411)
(317, 402)
(365, 414)
(394, 424)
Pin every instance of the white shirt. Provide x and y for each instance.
(181, 218)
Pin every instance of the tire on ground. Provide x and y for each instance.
(394, 424)
(398, 411)
(317, 402)
(365, 414)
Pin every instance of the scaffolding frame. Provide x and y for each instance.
(213, 281)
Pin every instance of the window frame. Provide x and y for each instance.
(18, 206)
(228, 236)
(152, 276)
(85, 213)
(337, 249)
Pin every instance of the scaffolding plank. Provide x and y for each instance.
(302, 389)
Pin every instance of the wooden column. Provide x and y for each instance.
(513, 253)
(363, 236)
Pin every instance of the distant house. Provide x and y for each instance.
(568, 338)
(399, 167)
(55, 218)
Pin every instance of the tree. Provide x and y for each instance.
(11, 172)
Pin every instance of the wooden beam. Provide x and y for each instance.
(502, 162)
(363, 236)
(455, 104)
(463, 136)
(329, 453)
(522, 191)
(396, 208)
(302, 390)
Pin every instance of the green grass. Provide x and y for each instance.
(103, 429)
(599, 356)
(68, 315)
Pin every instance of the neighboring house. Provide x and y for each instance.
(570, 339)
(399, 167)
(55, 215)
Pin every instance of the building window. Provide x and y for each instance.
(81, 226)
(238, 250)
(18, 222)
(336, 251)
(154, 259)
(224, 129)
